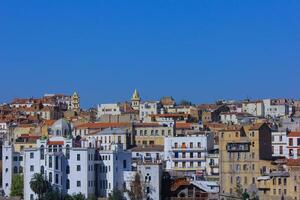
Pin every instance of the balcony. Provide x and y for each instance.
(184, 148)
(188, 159)
(238, 147)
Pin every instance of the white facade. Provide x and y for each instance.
(188, 153)
(236, 118)
(151, 178)
(279, 144)
(275, 110)
(108, 109)
(149, 108)
(254, 108)
(69, 168)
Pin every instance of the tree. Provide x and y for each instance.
(137, 189)
(39, 185)
(17, 187)
(78, 197)
(116, 195)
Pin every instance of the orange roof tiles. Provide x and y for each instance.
(293, 162)
(55, 142)
(183, 125)
(294, 134)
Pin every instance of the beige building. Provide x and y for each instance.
(245, 154)
(152, 133)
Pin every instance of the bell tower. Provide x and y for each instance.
(75, 101)
(135, 100)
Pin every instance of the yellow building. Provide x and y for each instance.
(152, 133)
(135, 100)
(245, 154)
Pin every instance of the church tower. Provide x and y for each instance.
(135, 100)
(75, 101)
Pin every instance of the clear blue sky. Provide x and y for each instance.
(197, 50)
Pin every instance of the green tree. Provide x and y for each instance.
(116, 195)
(17, 187)
(39, 185)
(79, 196)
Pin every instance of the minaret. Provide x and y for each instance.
(75, 101)
(135, 100)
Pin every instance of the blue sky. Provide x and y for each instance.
(196, 50)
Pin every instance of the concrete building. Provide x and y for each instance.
(148, 154)
(245, 154)
(237, 118)
(188, 153)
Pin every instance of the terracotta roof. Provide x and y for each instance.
(55, 142)
(293, 162)
(294, 134)
(100, 125)
(183, 125)
(49, 122)
(179, 182)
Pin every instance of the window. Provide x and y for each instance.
(50, 177)
(15, 169)
(124, 164)
(78, 184)
(78, 168)
(298, 141)
(31, 197)
(15, 158)
(56, 178)
(191, 145)
(31, 155)
(42, 169)
(68, 152)
(42, 155)
(280, 138)
(21, 158)
(291, 142)
(280, 149)
(191, 154)
(68, 169)
(20, 169)
(68, 184)
(56, 162)
(78, 157)
(31, 168)
(50, 161)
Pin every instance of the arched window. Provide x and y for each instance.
(42, 169)
(15, 169)
(42, 153)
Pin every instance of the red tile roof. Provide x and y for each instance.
(183, 125)
(294, 134)
(55, 142)
(293, 162)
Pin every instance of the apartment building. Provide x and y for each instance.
(152, 133)
(279, 144)
(188, 153)
(245, 153)
(255, 108)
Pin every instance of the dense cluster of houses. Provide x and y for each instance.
(178, 150)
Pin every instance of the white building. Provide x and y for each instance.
(293, 145)
(188, 153)
(255, 108)
(110, 136)
(108, 109)
(236, 118)
(275, 110)
(149, 108)
(70, 167)
(150, 177)
(152, 154)
(279, 144)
